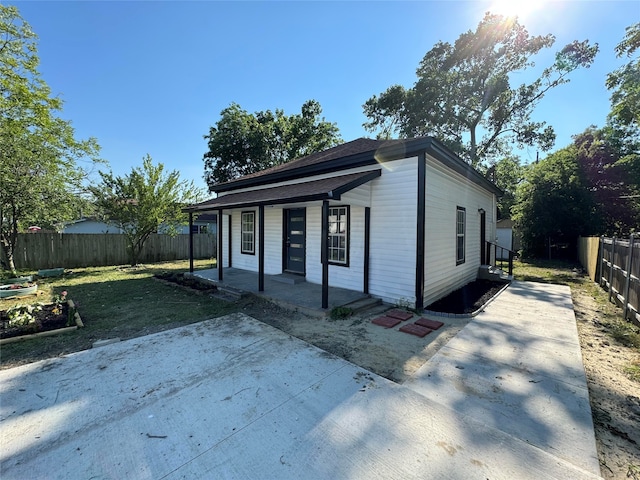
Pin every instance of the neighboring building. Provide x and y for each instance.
(205, 223)
(403, 220)
(89, 225)
(507, 238)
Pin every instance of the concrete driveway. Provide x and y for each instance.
(235, 398)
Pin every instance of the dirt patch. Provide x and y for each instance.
(180, 279)
(469, 298)
(614, 397)
(387, 352)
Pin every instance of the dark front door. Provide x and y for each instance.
(294, 240)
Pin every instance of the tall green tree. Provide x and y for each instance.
(42, 164)
(242, 143)
(624, 82)
(601, 158)
(507, 174)
(554, 204)
(144, 201)
(464, 94)
(622, 133)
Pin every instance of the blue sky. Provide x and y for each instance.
(152, 77)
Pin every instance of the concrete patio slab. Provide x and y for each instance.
(518, 368)
(235, 398)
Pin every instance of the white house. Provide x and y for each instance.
(402, 220)
(506, 237)
(205, 223)
(89, 225)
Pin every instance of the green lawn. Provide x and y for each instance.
(119, 302)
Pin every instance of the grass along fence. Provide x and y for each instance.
(35, 251)
(617, 269)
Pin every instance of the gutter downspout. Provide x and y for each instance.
(219, 253)
(190, 242)
(420, 230)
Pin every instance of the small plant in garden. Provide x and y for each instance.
(340, 313)
(22, 315)
(58, 301)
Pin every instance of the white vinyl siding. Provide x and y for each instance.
(351, 277)
(392, 267)
(238, 259)
(360, 196)
(272, 241)
(446, 190)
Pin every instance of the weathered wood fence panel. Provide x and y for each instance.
(620, 274)
(589, 256)
(35, 251)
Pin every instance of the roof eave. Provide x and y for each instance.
(387, 153)
(371, 157)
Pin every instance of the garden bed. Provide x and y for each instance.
(468, 299)
(190, 282)
(49, 319)
(18, 289)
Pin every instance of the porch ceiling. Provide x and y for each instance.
(324, 189)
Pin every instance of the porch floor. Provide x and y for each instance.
(303, 296)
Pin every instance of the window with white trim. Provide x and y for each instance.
(248, 233)
(339, 235)
(461, 220)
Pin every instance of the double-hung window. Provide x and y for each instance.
(461, 220)
(248, 233)
(339, 235)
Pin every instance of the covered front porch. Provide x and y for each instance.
(249, 256)
(289, 291)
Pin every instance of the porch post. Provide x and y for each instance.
(190, 242)
(219, 253)
(229, 257)
(261, 248)
(420, 226)
(324, 254)
(367, 238)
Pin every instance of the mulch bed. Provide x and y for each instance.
(45, 321)
(467, 299)
(180, 279)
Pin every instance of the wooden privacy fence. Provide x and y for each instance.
(589, 256)
(619, 273)
(35, 251)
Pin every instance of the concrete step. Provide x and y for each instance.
(230, 292)
(363, 304)
(234, 293)
(488, 272)
(288, 278)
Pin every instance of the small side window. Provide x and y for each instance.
(248, 233)
(461, 220)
